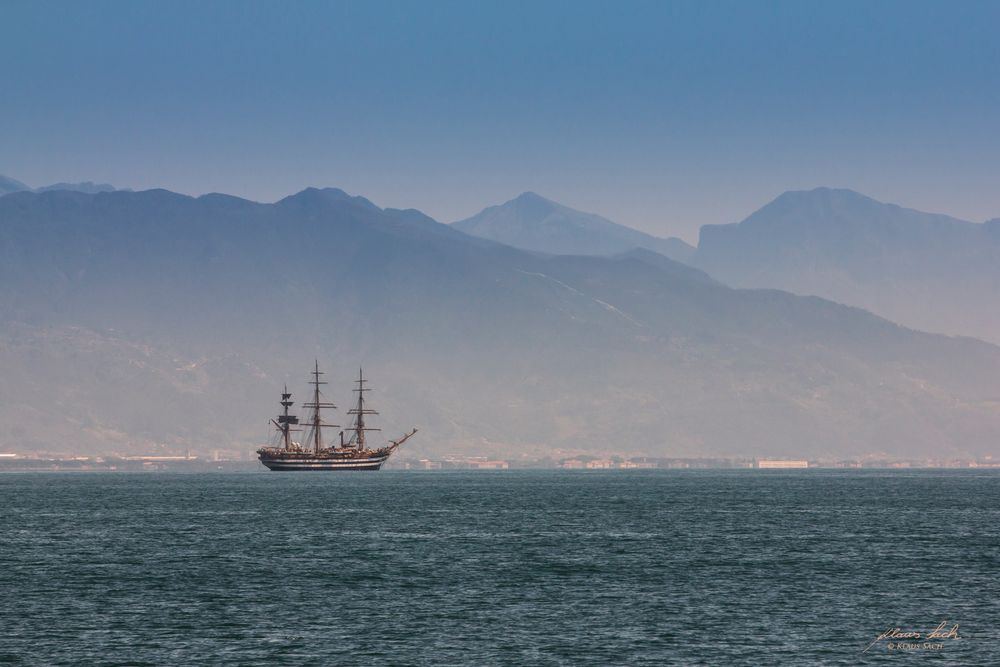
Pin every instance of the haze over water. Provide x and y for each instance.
(532, 567)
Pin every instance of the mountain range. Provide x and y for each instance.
(8, 185)
(927, 271)
(154, 322)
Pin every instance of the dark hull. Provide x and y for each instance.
(310, 463)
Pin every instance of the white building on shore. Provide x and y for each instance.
(780, 464)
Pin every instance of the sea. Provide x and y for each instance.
(630, 567)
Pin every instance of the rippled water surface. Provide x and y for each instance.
(533, 567)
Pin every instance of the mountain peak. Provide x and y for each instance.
(845, 246)
(8, 185)
(825, 206)
(532, 222)
(320, 196)
(824, 196)
(532, 205)
(832, 192)
(530, 197)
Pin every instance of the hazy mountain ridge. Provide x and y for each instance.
(200, 308)
(9, 185)
(929, 271)
(532, 222)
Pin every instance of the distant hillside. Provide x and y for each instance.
(8, 185)
(152, 321)
(531, 222)
(88, 187)
(927, 271)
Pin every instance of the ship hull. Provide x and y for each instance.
(322, 463)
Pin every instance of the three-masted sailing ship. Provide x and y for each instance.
(353, 453)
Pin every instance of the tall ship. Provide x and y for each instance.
(352, 453)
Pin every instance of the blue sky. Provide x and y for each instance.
(663, 116)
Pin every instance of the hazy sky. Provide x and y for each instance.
(663, 116)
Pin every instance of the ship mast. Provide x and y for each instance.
(360, 411)
(317, 421)
(286, 420)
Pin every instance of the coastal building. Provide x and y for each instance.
(780, 464)
(488, 465)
